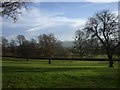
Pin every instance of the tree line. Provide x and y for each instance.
(45, 46)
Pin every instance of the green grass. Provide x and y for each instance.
(18, 73)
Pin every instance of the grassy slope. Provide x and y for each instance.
(66, 74)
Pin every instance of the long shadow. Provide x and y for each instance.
(83, 79)
(41, 69)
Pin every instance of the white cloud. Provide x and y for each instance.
(73, 0)
(37, 21)
(98, 1)
(42, 20)
(75, 22)
(57, 21)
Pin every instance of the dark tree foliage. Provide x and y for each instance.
(104, 26)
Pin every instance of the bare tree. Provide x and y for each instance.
(20, 40)
(4, 45)
(13, 46)
(60, 50)
(47, 44)
(11, 9)
(80, 43)
(27, 49)
(104, 26)
(34, 48)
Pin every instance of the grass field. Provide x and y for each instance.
(18, 73)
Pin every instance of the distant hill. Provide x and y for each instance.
(67, 44)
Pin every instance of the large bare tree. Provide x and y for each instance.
(104, 26)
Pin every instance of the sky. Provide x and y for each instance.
(60, 18)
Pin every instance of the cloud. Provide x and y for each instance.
(42, 20)
(37, 21)
(96, 1)
(75, 22)
(103, 1)
(58, 21)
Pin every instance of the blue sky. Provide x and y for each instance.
(60, 18)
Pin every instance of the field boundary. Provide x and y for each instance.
(75, 59)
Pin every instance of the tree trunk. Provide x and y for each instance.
(110, 56)
(49, 61)
(110, 62)
(27, 59)
(81, 56)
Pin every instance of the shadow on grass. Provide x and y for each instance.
(75, 79)
(42, 69)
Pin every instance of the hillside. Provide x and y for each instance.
(67, 44)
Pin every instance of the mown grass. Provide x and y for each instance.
(18, 73)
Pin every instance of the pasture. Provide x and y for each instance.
(19, 73)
